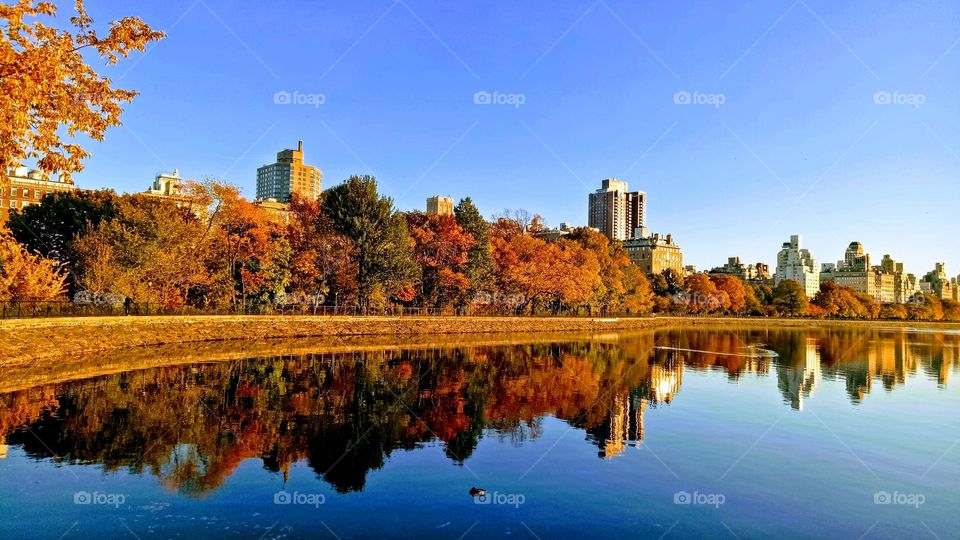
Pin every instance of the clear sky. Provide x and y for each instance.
(787, 133)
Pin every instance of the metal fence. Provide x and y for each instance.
(13, 309)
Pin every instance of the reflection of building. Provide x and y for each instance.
(287, 176)
(654, 254)
(440, 205)
(23, 188)
(798, 264)
(855, 272)
(624, 424)
(665, 381)
(616, 212)
(758, 273)
(798, 381)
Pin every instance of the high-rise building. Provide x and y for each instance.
(440, 205)
(24, 187)
(904, 284)
(855, 272)
(798, 264)
(616, 212)
(287, 176)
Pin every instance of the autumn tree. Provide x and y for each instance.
(323, 262)
(609, 290)
(925, 307)
(50, 228)
(541, 273)
(638, 296)
(249, 255)
(25, 276)
(152, 252)
(47, 88)
(837, 301)
(441, 247)
(789, 298)
(735, 290)
(701, 295)
(384, 248)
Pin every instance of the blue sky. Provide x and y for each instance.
(799, 143)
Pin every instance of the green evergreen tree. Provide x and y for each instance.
(384, 250)
(481, 270)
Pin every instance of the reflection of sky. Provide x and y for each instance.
(805, 437)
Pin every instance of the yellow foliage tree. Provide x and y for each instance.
(27, 277)
(47, 86)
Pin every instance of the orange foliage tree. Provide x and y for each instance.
(442, 249)
(249, 252)
(700, 295)
(540, 273)
(27, 277)
(323, 263)
(735, 290)
(47, 88)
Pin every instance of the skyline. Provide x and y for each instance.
(788, 121)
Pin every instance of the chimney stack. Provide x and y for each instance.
(299, 146)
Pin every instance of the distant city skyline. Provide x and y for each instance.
(743, 125)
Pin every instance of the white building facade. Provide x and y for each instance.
(798, 264)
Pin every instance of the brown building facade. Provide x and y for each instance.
(24, 187)
(655, 253)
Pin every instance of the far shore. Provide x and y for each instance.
(26, 340)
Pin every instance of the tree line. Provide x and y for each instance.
(214, 249)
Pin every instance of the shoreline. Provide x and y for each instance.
(34, 339)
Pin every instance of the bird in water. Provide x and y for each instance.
(477, 492)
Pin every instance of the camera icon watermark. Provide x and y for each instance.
(298, 98)
(701, 499)
(505, 499)
(307, 499)
(897, 498)
(99, 498)
(484, 298)
(884, 97)
(683, 97)
(483, 97)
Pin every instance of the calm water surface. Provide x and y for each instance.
(674, 434)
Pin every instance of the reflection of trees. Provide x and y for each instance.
(344, 414)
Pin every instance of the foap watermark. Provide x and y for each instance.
(484, 298)
(306, 499)
(88, 298)
(700, 499)
(700, 300)
(697, 97)
(902, 499)
(99, 498)
(504, 499)
(298, 98)
(884, 97)
(483, 97)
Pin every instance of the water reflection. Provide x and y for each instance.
(344, 414)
